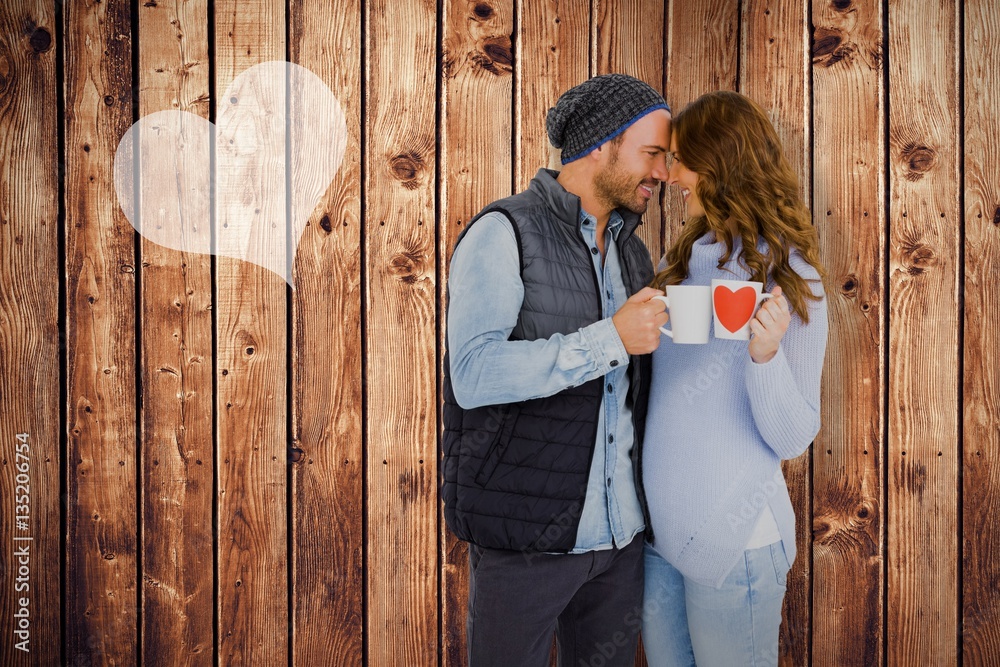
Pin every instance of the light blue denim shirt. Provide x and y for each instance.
(485, 296)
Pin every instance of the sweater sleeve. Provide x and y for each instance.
(785, 391)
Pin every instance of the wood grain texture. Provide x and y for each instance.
(980, 629)
(327, 455)
(554, 38)
(101, 567)
(774, 62)
(176, 309)
(628, 36)
(701, 57)
(923, 383)
(400, 297)
(29, 333)
(251, 382)
(476, 168)
(848, 211)
(100, 294)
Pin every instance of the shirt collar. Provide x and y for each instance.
(615, 222)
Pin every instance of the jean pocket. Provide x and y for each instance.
(779, 559)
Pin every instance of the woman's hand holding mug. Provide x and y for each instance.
(768, 327)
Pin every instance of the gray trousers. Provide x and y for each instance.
(592, 602)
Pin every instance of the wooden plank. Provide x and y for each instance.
(29, 343)
(980, 629)
(101, 567)
(251, 373)
(774, 72)
(176, 309)
(552, 51)
(924, 218)
(327, 457)
(849, 214)
(400, 330)
(628, 38)
(701, 57)
(476, 169)
(175, 305)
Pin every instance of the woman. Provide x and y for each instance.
(723, 415)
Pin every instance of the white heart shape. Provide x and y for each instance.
(279, 140)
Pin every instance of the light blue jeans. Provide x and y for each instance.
(684, 622)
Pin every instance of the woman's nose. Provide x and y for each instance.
(672, 174)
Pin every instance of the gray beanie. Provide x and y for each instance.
(598, 110)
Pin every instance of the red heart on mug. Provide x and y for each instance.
(734, 308)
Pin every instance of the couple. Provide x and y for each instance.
(604, 485)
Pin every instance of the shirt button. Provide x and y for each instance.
(593, 251)
(610, 388)
(611, 438)
(609, 294)
(614, 362)
(609, 481)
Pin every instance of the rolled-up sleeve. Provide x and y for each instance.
(485, 294)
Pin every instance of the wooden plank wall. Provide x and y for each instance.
(225, 469)
(848, 516)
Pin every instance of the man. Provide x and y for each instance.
(546, 380)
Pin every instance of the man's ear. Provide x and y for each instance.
(600, 153)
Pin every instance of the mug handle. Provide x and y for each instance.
(666, 302)
(764, 296)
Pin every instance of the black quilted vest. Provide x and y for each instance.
(515, 475)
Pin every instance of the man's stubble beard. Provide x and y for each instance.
(617, 189)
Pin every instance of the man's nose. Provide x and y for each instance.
(661, 172)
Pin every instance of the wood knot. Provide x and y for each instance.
(406, 266)
(996, 217)
(841, 5)
(295, 454)
(917, 258)
(406, 167)
(482, 11)
(821, 529)
(495, 55)
(5, 68)
(325, 224)
(40, 40)
(850, 287)
(829, 47)
(919, 160)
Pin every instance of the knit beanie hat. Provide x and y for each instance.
(598, 110)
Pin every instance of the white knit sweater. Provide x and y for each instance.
(719, 425)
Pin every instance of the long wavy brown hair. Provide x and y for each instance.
(747, 188)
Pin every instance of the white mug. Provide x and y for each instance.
(734, 303)
(690, 309)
